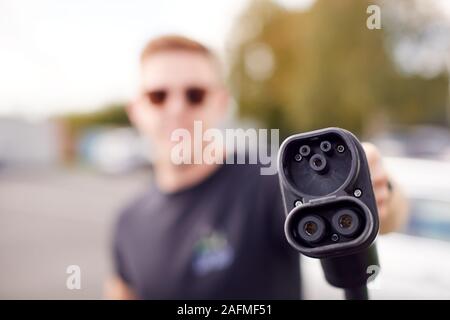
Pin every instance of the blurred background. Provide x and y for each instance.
(69, 159)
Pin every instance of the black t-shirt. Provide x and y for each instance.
(220, 239)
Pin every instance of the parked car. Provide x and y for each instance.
(428, 142)
(113, 150)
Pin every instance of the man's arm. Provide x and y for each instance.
(116, 286)
(117, 289)
(391, 202)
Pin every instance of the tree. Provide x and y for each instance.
(302, 70)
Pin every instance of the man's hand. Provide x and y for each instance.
(116, 289)
(391, 203)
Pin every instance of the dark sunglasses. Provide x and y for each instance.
(194, 96)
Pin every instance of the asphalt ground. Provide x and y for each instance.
(56, 217)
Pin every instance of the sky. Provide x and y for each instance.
(58, 56)
(75, 56)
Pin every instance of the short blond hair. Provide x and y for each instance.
(174, 43)
(168, 43)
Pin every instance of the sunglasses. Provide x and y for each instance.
(194, 96)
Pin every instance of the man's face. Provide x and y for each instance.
(177, 88)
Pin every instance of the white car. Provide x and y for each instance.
(415, 264)
(114, 150)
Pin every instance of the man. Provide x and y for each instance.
(207, 231)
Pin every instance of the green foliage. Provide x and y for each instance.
(329, 70)
(112, 115)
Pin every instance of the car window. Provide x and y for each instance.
(429, 218)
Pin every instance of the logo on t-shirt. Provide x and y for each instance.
(212, 253)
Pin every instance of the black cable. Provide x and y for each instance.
(357, 293)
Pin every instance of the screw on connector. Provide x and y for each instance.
(298, 203)
(298, 157)
(334, 237)
(340, 148)
(357, 193)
